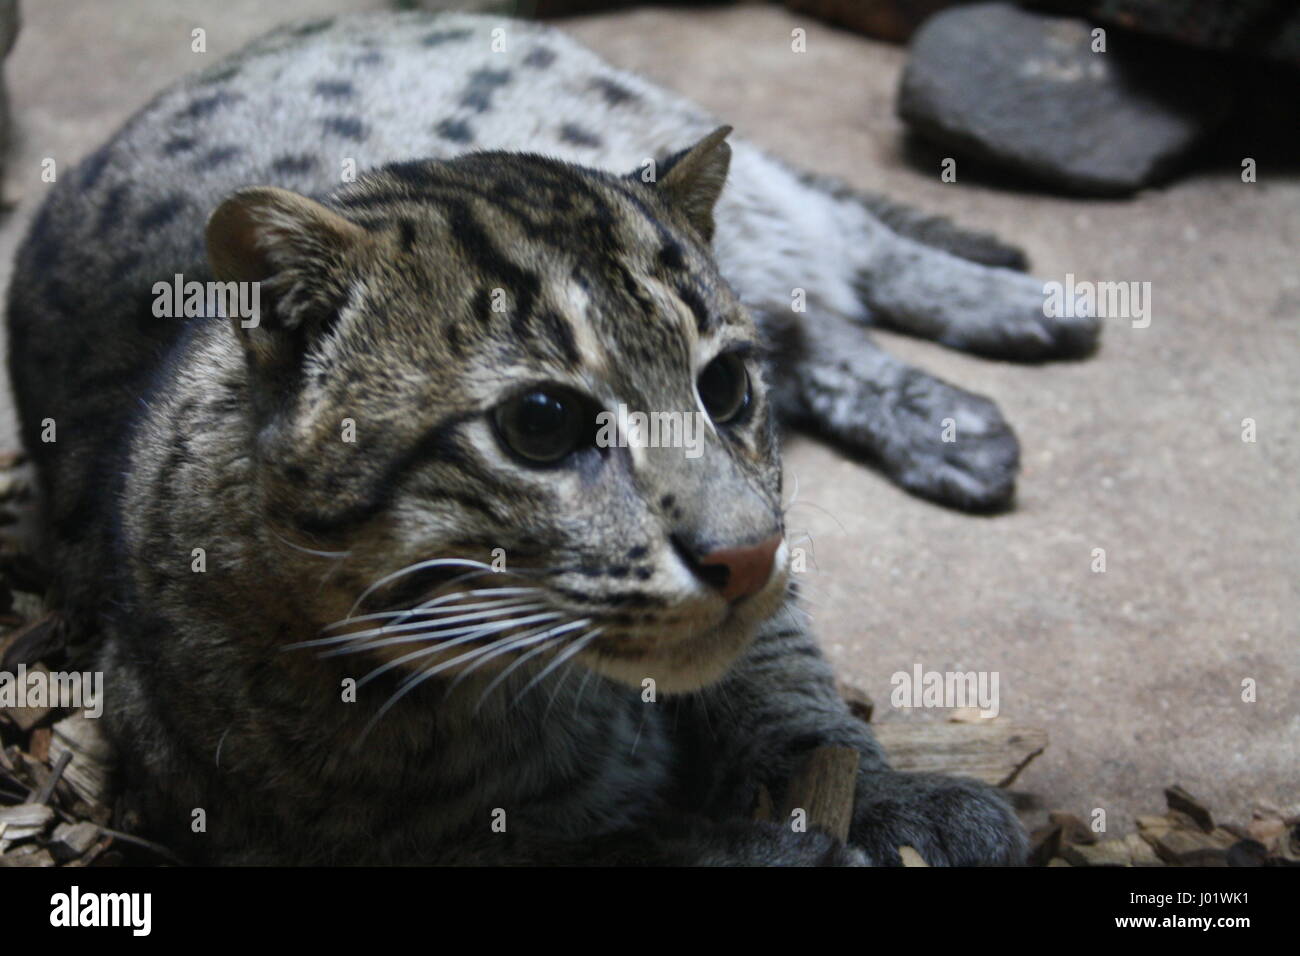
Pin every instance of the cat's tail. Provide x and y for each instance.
(936, 231)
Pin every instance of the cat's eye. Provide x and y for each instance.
(544, 425)
(724, 388)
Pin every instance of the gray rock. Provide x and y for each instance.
(1027, 93)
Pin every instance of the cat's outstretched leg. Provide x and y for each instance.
(997, 312)
(936, 440)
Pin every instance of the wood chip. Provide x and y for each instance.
(967, 715)
(1106, 853)
(1179, 799)
(860, 703)
(23, 856)
(25, 718)
(824, 787)
(42, 639)
(90, 772)
(910, 857)
(1140, 851)
(994, 751)
(40, 744)
(71, 840)
(25, 820)
(1044, 844)
(1073, 829)
(1178, 846)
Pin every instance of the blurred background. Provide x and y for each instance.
(1175, 164)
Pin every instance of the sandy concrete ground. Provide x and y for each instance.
(1135, 672)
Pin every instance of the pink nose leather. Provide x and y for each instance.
(747, 568)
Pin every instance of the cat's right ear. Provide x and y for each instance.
(287, 244)
(692, 180)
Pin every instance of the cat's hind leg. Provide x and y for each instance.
(997, 312)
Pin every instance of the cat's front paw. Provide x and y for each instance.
(949, 445)
(949, 821)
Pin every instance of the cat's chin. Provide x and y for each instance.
(682, 665)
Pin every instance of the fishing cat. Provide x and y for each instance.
(369, 587)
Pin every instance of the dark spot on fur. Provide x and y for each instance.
(615, 93)
(348, 127)
(572, 133)
(483, 83)
(458, 131)
(667, 501)
(216, 157)
(439, 37)
(206, 105)
(179, 144)
(161, 213)
(315, 26)
(294, 164)
(670, 256)
(539, 57)
(637, 553)
(405, 234)
(455, 340)
(334, 89)
(696, 305)
(560, 334)
(369, 58)
(481, 308)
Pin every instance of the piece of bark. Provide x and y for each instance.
(1106, 853)
(994, 751)
(1180, 846)
(910, 857)
(1151, 822)
(71, 840)
(42, 639)
(823, 787)
(39, 745)
(25, 718)
(1073, 829)
(1140, 851)
(1044, 844)
(1248, 853)
(90, 772)
(24, 821)
(24, 856)
(1176, 798)
(94, 853)
(860, 704)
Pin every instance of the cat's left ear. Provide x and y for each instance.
(693, 179)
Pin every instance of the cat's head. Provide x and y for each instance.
(435, 348)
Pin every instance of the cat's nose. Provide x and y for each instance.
(736, 572)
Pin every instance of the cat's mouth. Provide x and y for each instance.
(445, 619)
(693, 652)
